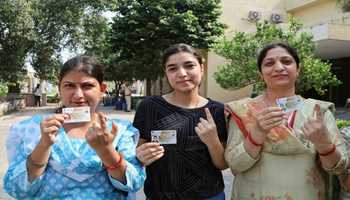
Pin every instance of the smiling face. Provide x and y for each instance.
(183, 72)
(79, 89)
(279, 69)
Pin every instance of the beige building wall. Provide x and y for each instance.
(316, 12)
(329, 25)
(326, 13)
(292, 4)
(235, 15)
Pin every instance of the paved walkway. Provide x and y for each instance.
(7, 120)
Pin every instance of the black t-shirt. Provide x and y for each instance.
(186, 170)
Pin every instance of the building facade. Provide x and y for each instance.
(325, 19)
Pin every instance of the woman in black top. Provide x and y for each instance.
(185, 162)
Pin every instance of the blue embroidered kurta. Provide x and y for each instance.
(74, 170)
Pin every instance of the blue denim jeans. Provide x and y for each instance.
(220, 196)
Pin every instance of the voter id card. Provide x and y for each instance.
(164, 136)
(77, 114)
(290, 104)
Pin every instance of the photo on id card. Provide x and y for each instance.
(164, 136)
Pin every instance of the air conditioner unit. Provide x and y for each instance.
(276, 18)
(254, 15)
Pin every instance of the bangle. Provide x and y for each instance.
(251, 140)
(38, 165)
(115, 165)
(328, 152)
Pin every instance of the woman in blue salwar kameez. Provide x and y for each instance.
(52, 159)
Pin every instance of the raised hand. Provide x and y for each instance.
(49, 128)
(206, 129)
(266, 119)
(149, 152)
(98, 136)
(315, 130)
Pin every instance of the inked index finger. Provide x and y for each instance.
(317, 112)
(103, 123)
(114, 130)
(208, 114)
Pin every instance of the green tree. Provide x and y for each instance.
(51, 28)
(142, 29)
(16, 40)
(37, 31)
(241, 51)
(96, 42)
(73, 26)
(3, 90)
(95, 37)
(344, 5)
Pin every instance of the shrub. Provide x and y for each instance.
(53, 99)
(341, 123)
(3, 90)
